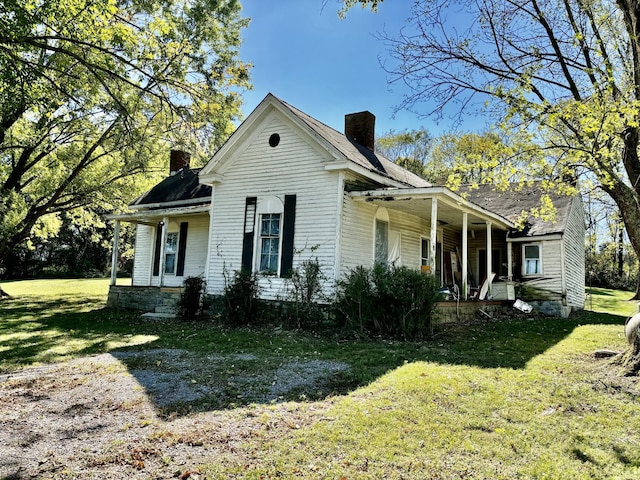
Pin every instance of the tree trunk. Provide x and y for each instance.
(631, 359)
(620, 251)
(628, 197)
(627, 200)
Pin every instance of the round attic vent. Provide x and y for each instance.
(274, 140)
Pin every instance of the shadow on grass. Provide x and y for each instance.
(35, 333)
(602, 292)
(198, 366)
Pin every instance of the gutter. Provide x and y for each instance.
(175, 203)
(139, 217)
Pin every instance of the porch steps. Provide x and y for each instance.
(158, 316)
(166, 307)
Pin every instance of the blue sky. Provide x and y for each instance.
(327, 67)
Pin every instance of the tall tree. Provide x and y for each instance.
(477, 158)
(92, 91)
(565, 71)
(410, 149)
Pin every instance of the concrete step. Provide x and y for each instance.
(158, 316)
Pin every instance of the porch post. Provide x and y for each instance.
(465, 255)
(163, 248)
(433, 238)
(489, 262)
(114, 253)
(509, 260)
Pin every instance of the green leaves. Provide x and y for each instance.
(93, 94)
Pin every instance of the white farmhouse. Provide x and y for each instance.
(286, 188)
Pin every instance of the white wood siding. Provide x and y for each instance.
(562, 258)
(548, 285)
(196, 249)
(357, 242)
(574, 255)
(143, 255)
(195, 254)
(294, 167)
(356, 247)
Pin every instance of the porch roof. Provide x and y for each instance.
(417, 201)
(151, 217)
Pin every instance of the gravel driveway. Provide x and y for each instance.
(126, 414)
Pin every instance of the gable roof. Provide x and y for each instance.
(357, 153)
(511, 203)
(361, 158)
(182, 188)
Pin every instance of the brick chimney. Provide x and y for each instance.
(179, 159)
(360, 127)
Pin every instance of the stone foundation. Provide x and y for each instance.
(145, 299)
(450, 312)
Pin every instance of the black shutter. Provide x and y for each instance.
(156, 252)
(248, 229)
(288, 228)
(182, 248)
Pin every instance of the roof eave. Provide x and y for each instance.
(441, 193)
(144, 215)
(176, 203)
(347, 165)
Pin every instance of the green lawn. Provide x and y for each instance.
(615, 302)
(520, 398)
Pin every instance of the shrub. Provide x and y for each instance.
(240, 297)
(307, 294)
(190, 303)
(355, 300)
(387, 300)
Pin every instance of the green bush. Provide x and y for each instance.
(240, 297)
(307, 295)
(190, 303)
(387, 300)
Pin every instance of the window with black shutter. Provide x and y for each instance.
(288, 229)
(248, 232)
(182, 248)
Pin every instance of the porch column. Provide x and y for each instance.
(465, 255)
(433, 238)
(114, 253)
(509, 261)
(163, 248)
(489, 262)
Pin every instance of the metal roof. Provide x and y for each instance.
(357, 153)
(182, 188)
(511, 203)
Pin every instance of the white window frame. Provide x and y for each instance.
(524, 259)
(267, 206)
(381, 217)
(167, 252)
(424, 261)
(384, 261)
(262, 237)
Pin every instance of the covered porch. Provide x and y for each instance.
(466, 245)
(170, 244)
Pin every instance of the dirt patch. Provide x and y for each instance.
(153, 414)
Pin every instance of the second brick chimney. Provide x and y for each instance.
(179, 159)
(360, 127)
